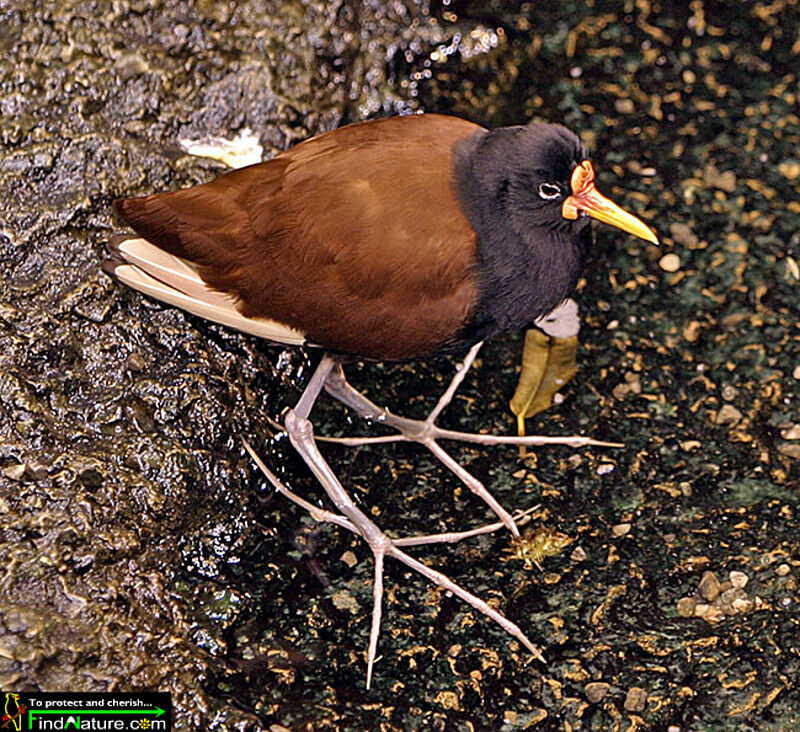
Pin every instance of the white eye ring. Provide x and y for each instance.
(549, 191)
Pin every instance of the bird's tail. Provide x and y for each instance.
(158, 273)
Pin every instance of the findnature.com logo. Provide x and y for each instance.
(67, 711)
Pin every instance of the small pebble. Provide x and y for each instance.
(782, 570)
(136, 362)
(725, 181)
(15, 472)
(714, 615)
(631, 385)
(792, 432)
(349, 559)
(790, 449)
(620, 529)
(682, 234)
(670, 262)
(741, 605)
(43, 161)
(574, 461)
(130, 65)
(343, 600)
(791, 266)
(727, 598)
(691, 331)
(729, 393)
(636, 699)
(578, 554)
(728, 414)
(738, 579)
(624, 106)
(796, 372)
(595, 691)
(709, 586)
(686, 607)
(605, 469)
(709, 613)
(789, 169)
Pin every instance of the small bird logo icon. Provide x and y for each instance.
(14, 711)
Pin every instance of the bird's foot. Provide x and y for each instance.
(428, 433)
(353, 519)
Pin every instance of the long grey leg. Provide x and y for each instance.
(427, 433)
(423, 432)
(415, 430)
(320, 514)
(301, 435)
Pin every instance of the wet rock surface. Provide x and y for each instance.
(140, 549)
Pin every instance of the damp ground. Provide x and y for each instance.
(141, 549)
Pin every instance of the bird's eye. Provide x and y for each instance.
(549, 191)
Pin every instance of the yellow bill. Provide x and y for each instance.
(586, 198)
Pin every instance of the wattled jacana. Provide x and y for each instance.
(391, 239)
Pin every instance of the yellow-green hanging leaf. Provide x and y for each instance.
(547, 364)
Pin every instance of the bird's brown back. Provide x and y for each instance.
(354, 237)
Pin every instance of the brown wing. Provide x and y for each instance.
(354, 238)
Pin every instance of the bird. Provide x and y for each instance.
(14, 711)
(392, 239)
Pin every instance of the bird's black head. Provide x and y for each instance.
(519, 177)
(536, 180)
(527, 171)
(529, 193)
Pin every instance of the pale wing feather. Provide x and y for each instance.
(170, 270)
(200, 300)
